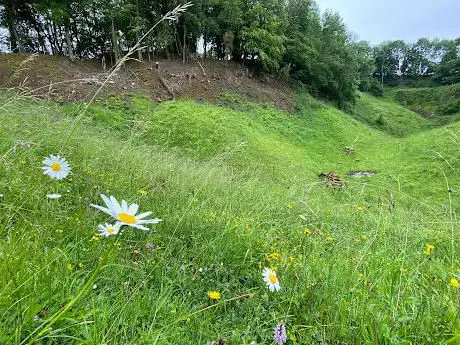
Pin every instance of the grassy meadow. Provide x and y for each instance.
(238, 189)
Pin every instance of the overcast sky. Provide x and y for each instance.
(381, 20)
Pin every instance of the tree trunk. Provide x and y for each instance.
(69, 43)
(41, 39)
(205, 45)
(68, 36)
(59, 42)
(381, 73)
(49, 36)
(116, 49)
(183, 47)
(74, 32)
(139, 51)
(15, 39)
(178, 41)
(54, 38)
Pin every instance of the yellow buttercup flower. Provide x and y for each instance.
(273, 256)
(429, 249)
(95, 238)
(454, 283)
(214, 295)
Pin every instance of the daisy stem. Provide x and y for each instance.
(74, 300)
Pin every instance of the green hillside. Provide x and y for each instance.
(388, 116)
(238, 190)
(440, 104)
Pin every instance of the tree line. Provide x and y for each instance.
(290, 38)
(429, 60)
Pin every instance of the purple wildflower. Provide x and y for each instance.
(280, 333)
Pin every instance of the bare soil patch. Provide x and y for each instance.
(58, 78)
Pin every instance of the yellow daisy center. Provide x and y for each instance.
(126, 218)
(56, 167)
(110, 230)
(272, 278)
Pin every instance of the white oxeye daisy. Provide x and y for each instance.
(125, 214)
(53, 196)
(56, 167)
(109, 229)
(271, 279)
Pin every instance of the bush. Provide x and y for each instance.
(376, 89)
(380, 121)
(371, 86)
(365, 85)
(449, 108)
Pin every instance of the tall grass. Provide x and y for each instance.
(247, 196)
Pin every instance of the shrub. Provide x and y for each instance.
(449, 108)
(371, 86)
(381, 122)
(376, 89)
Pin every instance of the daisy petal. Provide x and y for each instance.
(106, 200)
(143, 215)
(140, 227)
(150, 221)
(115, 203)
(103, 209)
(124, 206)
(133, 208)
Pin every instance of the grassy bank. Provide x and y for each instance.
(238, 190)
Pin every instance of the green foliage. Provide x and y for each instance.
(399, 63)
(448, 72)
(371, 86)
(262, 34)
(319, 53)
(265, 48)
(433, 102)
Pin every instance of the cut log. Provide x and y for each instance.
(166, 86)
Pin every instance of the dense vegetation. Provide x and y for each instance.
(372, 263)
(238, 186)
